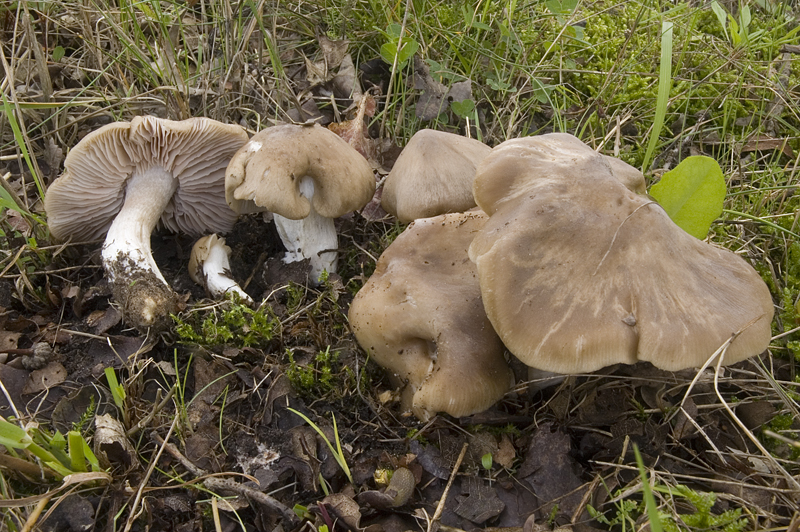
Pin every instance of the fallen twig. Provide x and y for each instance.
(440, 507)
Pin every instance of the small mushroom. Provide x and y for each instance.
(306, 176)
(125, 178)
(421, 317)
(433, 175)
(578, 272)
(209, 266)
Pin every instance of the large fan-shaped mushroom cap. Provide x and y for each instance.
(577, 272)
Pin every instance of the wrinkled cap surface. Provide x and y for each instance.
(84, 200)
(433, 175)
(421, 317)
(577, 272)
(266, 173)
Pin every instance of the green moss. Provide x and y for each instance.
(325, 375)
(231, 324)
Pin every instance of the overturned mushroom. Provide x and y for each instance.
(420, 316)
(210, 268)
(125, 178)
(433, 175)
(577, 272)
(306, 176)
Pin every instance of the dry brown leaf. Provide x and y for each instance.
(39, 380)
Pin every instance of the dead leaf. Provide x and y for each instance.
(18, 222)
(14, 381)
(551, 471)
(354, 132)
(345, 509)
(102, 320)
(506, 453)
(436, 97)
(480, 503)
(333, 52)
(9, 340)
(345, 83)
(430, 103)
(316, 72)
(51, 375)
(766, 143)
(53, 155)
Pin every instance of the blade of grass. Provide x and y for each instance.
(19, 138)
(649, 499)
(337, 454)
(664, 85)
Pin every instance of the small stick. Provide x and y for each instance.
(440, 508)
(225, 484)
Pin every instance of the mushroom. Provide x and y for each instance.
(421, 317)
(209, 266)
(433, 175)
(306, 176)
(577, 272)
(123, 179)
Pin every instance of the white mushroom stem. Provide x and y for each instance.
(127, 245)
(214, 265)
(312, 237)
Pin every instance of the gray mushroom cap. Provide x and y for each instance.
(433, 175)
(84, 200)
(421, 317)
(577, 272)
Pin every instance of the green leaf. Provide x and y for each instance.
(722, 17)
(407, 51)
(664, 86)
(13, 436)
(58, 53)
(77, 459)
(486, 461)
(692, 194)
(463, 108)
(117, 390)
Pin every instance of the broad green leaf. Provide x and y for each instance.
(486, 461)
(463, 108)
(58, 53)
(692, 194)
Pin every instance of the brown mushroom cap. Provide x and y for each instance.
(577, 272)
(267, 171)
(83, 202)
(421, 317)
(433, 175)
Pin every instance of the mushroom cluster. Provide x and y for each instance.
(576, 268)
(196, 176)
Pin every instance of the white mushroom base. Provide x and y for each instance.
(215, 269)
(137, 284)
(314, 238)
